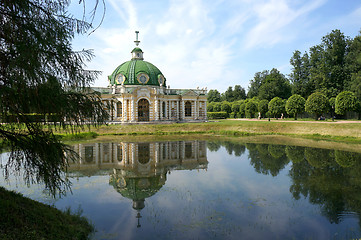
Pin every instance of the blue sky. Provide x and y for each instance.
(213, 44)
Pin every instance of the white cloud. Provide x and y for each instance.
(274, 22)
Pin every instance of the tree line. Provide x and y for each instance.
(325, 79)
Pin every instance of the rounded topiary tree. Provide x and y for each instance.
(316, 104)
(210, 107)
(345, 101)
(276, 106)
(242, 109)
(263, 107)
(235, 107)
(295, 105)
(217, 107)
(251, 108)
(226, 107)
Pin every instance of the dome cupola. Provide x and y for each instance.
(137, 71)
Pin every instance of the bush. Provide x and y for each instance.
(276, 106)
(217, 107)
(263, 107)
(295, 105)
(235, 107)
(316, 104)
(251, 108)
(345, 101)
(226, 107)
(217, 115)
(210, 107)
(242, 110)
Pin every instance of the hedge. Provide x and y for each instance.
(217, 115)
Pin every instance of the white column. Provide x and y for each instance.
(156, 109)
(182, 106)
(177, 108)
(132, 109)
(166, 110)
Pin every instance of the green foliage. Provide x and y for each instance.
(295, 105)
(23, 218)
(242, 109)
(275, 85)
(300, 75)
(210, 107)
(316, 104)
(263, 107)
(217, 115)
(345, 101)
(213, 96)
(40, 73)
(217, 107)
(251, 108)
(226, 107)
(235, 107)
(276, 106)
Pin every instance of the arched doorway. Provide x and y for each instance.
(143, 110)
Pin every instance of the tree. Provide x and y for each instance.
(235, 107)
(295, 105)
(242, 109)
(345, 101)
(41, 75)
(275, 84)
(316, 104)
(255, 83)
(210, 107)
(226, 107)
(276, 106)
(238, 93)
(251, 108)
(217, 107)
(300, 75)
(353, 63)
(328, 70)
(228, 95)
(263, 107)
(213, 96)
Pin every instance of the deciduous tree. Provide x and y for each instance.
(41, 74)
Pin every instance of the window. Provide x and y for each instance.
(188, 109)
(119, 109)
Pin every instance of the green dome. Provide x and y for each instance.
(137, 72)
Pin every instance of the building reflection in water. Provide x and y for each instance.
(138, 170)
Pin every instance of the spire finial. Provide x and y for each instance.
(136, 38)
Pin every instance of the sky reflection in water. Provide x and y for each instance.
(213, 190)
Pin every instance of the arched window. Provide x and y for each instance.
(119, 109)
(188, 109)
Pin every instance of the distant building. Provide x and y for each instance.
(138, 92)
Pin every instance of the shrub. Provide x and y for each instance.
(276, 106)
(316, 104)
(263, 107)
(251, 108)
(242, 110)
(226, 107)
(235, 107)
(345, 101)
(217, 107)
(295, 105)
(217, 115)
(210, 107)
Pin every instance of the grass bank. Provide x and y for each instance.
(23, 218)
(334, 131)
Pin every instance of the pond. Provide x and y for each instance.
(212, 190)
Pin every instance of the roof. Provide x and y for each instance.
(131, 72)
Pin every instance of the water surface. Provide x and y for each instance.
(213, 190)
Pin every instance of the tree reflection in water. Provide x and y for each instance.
(328, 178)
